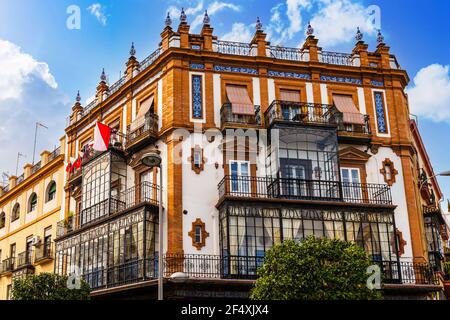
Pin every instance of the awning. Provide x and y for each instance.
(143, 110)
(240, 100)
(351, 114)
(290, 95)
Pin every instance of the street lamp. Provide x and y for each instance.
(152, 159)
(442, 174)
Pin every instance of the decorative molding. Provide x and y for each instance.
(341, 79)
(201, 167)
(377, 83)
(401, 242)
(197, 96)
(197, 66)
(204, 234)
(272, 73)
(353, 154)
(380, 109)
(235, 69)
(374, 148)
(387, 163)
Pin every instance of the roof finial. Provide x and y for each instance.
(168, 21)
(132, 50)
(259, 25)
(380, 38)
(359, 35)
(309, 29)
(78, 98)
(206, 19)
(103, 76)
(183, 17)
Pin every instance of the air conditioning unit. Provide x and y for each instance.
(36, 241)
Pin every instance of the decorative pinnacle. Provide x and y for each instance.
(183, 17)
(206, 19)
(103, 76)
(78, 98)
(359, 35)
(259, 25)
(168, 21)
(380, 38)
(132, 50)
(309, 30)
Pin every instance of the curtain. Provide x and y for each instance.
(240, 100)
(346, 105)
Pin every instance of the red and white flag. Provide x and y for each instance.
(102, 135)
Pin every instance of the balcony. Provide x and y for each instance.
(24, 260)
(232, 120)
(199, 266)
(43, 253)
(350, 133)
(8, 266)
(288, 112)
(395, 272)
(144, 194)
(312, 190)
(141, 133)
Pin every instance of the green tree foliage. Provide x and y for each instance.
(48, 286)
(314, 269)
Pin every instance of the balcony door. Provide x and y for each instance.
(351, 184)
(146, 182)
(240, 177)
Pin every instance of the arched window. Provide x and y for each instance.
(51, 191)
(33, 203)
(2, 220)
(15, 214)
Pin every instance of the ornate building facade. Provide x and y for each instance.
(259, 144)
(30, 207)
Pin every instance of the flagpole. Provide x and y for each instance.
(35, 137)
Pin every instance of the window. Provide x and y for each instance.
(380, 111)
(240, 177)
(198, 234)
(8, 292)
(2, 220)
(389, 172)
(15, 214)
(346, 105)
(33, 203)
(351, 183)
(197, 161)
(197, 97)
(51, 191)
(12, 251)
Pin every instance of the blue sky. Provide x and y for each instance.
(43, 63)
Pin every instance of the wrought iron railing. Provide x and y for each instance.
(43, 252)
(24, 259)
(234, 48)
(149, 127)
(299, 189)
(284, 53)
(395, 272)
(200, 266)
(227, 116)
(336, 58)
(36, 168)
(20, 179)
(145, 192)
(301, 112)
(363, 128)
(55, 153)
(150, 59)
(8, 265)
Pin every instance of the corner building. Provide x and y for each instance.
(259, 144)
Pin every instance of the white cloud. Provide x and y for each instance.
(98, 11)
(213, 9)
(17, 68)
(430, 95)
(239, 32)
(336, 22)
(28, 93)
